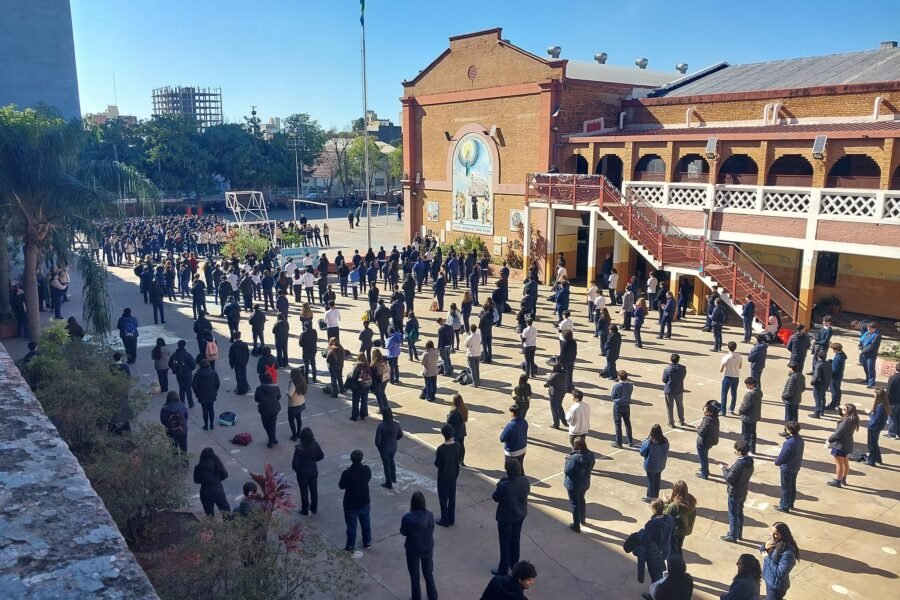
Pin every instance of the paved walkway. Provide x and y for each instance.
(848, 536)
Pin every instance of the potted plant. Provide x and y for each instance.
(828, 305)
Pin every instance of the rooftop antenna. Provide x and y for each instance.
(115, 91)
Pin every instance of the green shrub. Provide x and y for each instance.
(465, 244)
(242, 241)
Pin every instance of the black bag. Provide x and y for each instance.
(327, 390)
(322, 325)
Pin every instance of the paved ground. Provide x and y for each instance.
(848, 536)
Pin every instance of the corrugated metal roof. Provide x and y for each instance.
(836, 69)
(873, 127)
(612, 74)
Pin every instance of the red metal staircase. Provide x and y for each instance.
(664, 245)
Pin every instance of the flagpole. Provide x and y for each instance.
(362, 21)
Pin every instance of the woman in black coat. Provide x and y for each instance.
(457, 419)
(579, 465)
(210, 473)
(418, 527)
(707, 436)
(306, 454)
(745, 585)
(568, 350)
(268, 400)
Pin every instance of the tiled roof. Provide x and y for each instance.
(875, 128)
(872, 66)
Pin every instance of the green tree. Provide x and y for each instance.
(378, 162)
(235, 155)
(175, 147)
(396, 164)
(48, 188)
(252, 124)
(357, 125)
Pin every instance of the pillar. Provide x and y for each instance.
(592, 248)
(807, 286)
(550, 258)
(622, 260)
(526, 241)
(412, 190)
(699, 300)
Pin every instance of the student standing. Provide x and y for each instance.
(529, 347)
(182, 365)
(737, 476)
(657, 539)
(160, 355)
(673, 380)
(578, 417)
(457, 419)
(781, 554)
(174, 417)
(386, 436)
(268, 404)
(789, 461)
(838, 363)
(473, 354)
(756, 358)
(745, 585)
(511, 496)
(731, 369)
(296, 393)
(682, 506)
(355, 483)
(707, 436)
(556, 385)
(750, 412)
(238, 358)
(210, 473)
(841, 444)
(621, 397)
(655, 450)
(418, 527)
(447, 459)
(206, 388)
(306, 454)
(514, 437)
(578, 467)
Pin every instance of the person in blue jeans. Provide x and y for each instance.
(707, 436)
(789, 461)
(621, 397)
(781, 554)
(655, 450)
(737, 476)
(731, 367)
(355, 483)
(386, 436)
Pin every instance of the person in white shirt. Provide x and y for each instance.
(561, 274)
(307, 260)
(613, 285)
(731, 367)
(592, 294)
(652, 284)
(578, 416)
(529, 347)
(567, 324)
(332, 322)
(473, 354)
(308, 280)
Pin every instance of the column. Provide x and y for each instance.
(412, 191)
(550, 258)
(592, 248)
(807, 286)
(622, 260)
(699, 300)
(526, 242)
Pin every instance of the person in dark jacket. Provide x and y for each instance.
(232, 314)
(514, 437)
(417, 526)
(821, 381)
(210, 473)
(841, 444)
(306, 454)
(238, 358)
(309, 339)
(789, 461)
(676, 584)
(457, 419)
(748, 312)
(267, 398)
(568, 352)
(737, 476)
(673, 378)
(657, 539)
(877, 420)
(556, 385)
(782, 553)
(206, 387)
(182, 365)
(486, 327)
(511, 496)
(750, 412)
(745, 585)
(174, 418)
(613, 347)
(578, 467)
(198, 297)
(512, 586)
(756, 358)
(202, 327)
(447, 458)
(655, 450)
(838, 363)
(792, 394)
(156, 300)
(798, 345)
(386, 435)
(281, 330)
(355, 483)
(128, 332)
(257, 328)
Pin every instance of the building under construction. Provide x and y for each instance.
(204, 104)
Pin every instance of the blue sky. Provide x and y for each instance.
(289, 56)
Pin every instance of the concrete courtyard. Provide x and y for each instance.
(848, 537)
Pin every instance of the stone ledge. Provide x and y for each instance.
(56, 538)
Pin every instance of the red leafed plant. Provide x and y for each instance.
(292, 538)
(273, 491)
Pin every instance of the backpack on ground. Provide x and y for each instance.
(175, 424)
(212, 350)
(365, 377)
(384, 371)
(227, 418)
(242, 439)
(272, 370)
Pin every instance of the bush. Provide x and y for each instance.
(243, 241)
(138, 475)
(465, 244)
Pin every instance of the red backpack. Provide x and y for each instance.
(272, 370)
(242, 439)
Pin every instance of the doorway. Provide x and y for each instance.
(581, 257)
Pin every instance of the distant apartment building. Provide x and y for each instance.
(110, 114)
(383, 130)
(204, 104)
(38, 50)
(269, 129)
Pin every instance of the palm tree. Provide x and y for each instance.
(44, 187)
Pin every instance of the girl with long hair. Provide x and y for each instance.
(881, 408)
(457, 419)
(841, 444)
(683, 507)
(297, 389)
(378, 366)
(160, 355)
(655, 450)
(386, 436)
(210, 473)
(782, 553)
(745, 585)
(465, 308)
(306, 454)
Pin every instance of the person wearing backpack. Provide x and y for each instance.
(360, 381)
(174, 417)
(160, 355)
(267, 398)
(381, 376)
(128, 332)
(206, 387)
(267, 364)
(386, 436)
(210, 350)
(306, 454)
(182, 365)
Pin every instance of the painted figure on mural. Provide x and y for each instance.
(473, 173)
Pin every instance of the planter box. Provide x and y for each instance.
(885, 367)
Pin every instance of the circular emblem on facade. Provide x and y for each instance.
(473, 72)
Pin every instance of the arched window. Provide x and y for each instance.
(576, 164)
(738, 169)
(650, 168)
(610, 166)
(854, 171)
(790, 170)
(692, 168)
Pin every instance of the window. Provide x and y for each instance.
(827, 268)
(379, 181)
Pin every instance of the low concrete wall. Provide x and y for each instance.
(56, 538)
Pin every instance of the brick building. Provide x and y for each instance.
(777, 179)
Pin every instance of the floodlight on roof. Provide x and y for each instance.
(818, 150)
(711, 148)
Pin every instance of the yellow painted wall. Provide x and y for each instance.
(781, 263)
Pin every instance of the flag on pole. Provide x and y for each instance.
(362, 12)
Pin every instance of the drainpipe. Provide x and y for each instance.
(775, 110)
(622, 120)
(877, 109)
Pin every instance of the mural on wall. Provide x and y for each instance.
(473, 199)
(432, 211)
